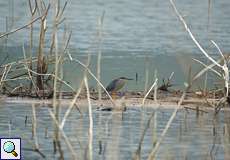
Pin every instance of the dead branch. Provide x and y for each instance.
(25, 26)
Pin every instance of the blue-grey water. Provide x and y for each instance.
(133, 32)
(190, 136)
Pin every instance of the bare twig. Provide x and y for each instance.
(26, 25)
(191, 34)
(137, 155)
(90, 139)
(90, 72)
(34, 127)
(223, 67)
(76, 95)
(41, 63)
(72, 150)
(155, 87)
(59, 79)
(207, 67)
(146, 74)
(33, 10)
(162, 136)
(4, 75)
(146, 95)
(99, 35)
(71, 106)
(27, 68)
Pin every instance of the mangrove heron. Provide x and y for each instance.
(117, 84)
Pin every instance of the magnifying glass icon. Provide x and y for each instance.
(9, 147)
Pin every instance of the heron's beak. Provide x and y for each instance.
(129, 79)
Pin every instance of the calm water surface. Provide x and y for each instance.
(190, 136)
(133, 31)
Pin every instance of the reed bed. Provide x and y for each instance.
(44, 73)
(191, 80)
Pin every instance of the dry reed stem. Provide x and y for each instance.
(146, 95)
(171, 76)
(67, 42)
(60, 11)
(32, 11)
(90, 131)
(155, 129)
(99, 75)
(41, 5)
(205, 81)
(208, 27)
(56, 106)
(31, 143)
(15, 79)
(209, 12)
(112, 146)
(137, 155)
(18, 62)
(146, 74)
(155, 87)
(9, 129)
(219, 50)
(191, 34)
(27, 68)
(7, 29)
(58, 16)
(7, 71)
(72, 150)
(207, 67)
(155, 149)
(59, 79)
(226, 141)
(4, 75)
(99, 35)
(76, 96)
(56, 65)
(34, 127)
(18, 87)
(40, 54)
(90, 72)
(71, 106)
(20, 28)
(224, 67)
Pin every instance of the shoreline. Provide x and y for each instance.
(129, 102)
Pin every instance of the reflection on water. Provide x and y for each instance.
(116, 136)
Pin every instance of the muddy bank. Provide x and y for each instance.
(193, 100)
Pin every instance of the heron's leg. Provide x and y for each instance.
(114, 95)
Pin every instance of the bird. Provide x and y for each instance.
(116, 84)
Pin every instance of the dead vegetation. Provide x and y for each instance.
(42, 77)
